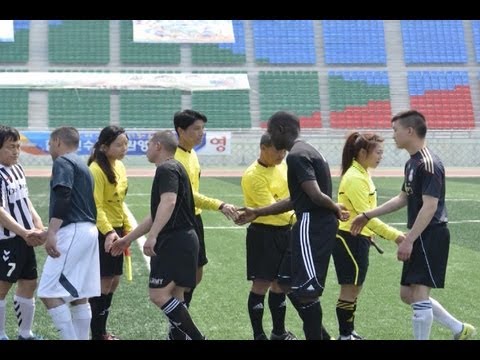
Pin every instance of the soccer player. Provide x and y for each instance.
(71, 273)
(111, 186)
(172, 241)
(350, 254)
(18, 220)
(268, 239)
(190, 128)
(424, 251)
(313, 235)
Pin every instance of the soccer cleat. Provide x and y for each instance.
(109, 336)
(4, 337)
(286, 336)
(262, 336)
(467, 332)
(33, 337)
(353, 336)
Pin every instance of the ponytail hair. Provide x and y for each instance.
(356, 142)
(107, 136)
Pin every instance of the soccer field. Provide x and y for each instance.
(219, 306)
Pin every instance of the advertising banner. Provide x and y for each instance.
(213, 143)
(183, 31)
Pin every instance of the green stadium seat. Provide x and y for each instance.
(224, 109)
(295, 91)
(79, 42)
(152, 109)
(14, 107)
(79, 108)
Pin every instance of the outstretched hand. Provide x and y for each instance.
(230, 211)
(358, 223)
(245, 215)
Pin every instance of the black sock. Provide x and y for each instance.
(178, 315)
(175, 333)
(255, 310)
(187, 297)
(345, 316)
(277, 305)
(311, 314)
(106, 312)
(297, 305)
(97, 304)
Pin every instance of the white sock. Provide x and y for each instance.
(81, 316)
(422, 319)
(2, 317)
(25, 311)
(441, 315)
(62, 319)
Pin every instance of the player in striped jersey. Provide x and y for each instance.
(424, 251)
(18, 221)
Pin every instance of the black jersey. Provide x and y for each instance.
(425, 175)
(306, 163)
(171, 176)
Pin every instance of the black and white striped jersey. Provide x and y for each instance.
(13, 198)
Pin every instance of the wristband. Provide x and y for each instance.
(221, 206)
(366, 217)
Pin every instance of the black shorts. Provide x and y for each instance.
(176, 260)
(350, 256)
(202, 251)
(428, 262)
(18, 261)
(313, 239)
(109, 265)
(266, 248)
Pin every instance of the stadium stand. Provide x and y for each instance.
(433, 41)
(296, 91)
(225, 109)
(79, 42)
(148, 108)
(14, 107)
(16, 51)
(145, 53)
(354, 41)
(284, 42)
(443, 96)
(224, 53)
(359, 99)
(81, 108)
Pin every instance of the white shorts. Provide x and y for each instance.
(76, 273)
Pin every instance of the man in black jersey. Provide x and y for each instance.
(172, 241)
(313, 235)
(424, 251)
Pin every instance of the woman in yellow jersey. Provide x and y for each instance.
(111, 186)
(357, 192)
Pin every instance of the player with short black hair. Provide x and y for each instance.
(313, 235)
(424, 251)
(18, 221)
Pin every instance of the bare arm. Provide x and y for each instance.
(391, 205)
(8, 222)
(394, 204)
(121, 244)
(313, 191)
(248, 214)
(424, 217)
(164, 212)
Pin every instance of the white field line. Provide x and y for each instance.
(141, 240)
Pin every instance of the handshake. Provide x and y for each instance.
(35, 237)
